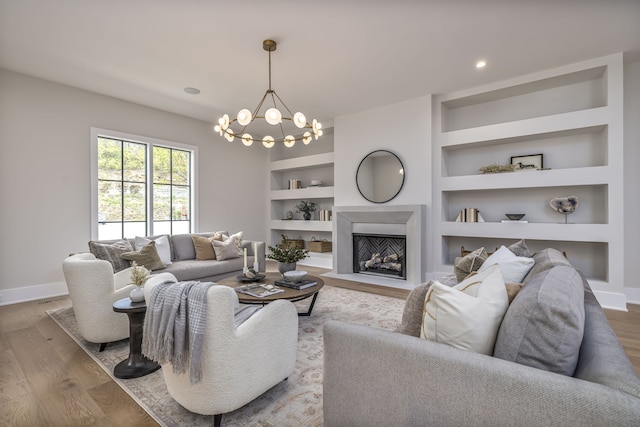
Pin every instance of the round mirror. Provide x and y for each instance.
(380, 176)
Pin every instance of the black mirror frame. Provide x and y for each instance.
(404, 174)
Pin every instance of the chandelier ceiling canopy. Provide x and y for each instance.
(288, 127)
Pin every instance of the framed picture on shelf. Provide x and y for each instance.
(529, 162)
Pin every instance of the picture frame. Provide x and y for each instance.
(528, 162)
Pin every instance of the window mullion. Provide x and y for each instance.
(150, 182)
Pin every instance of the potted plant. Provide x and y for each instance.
(306, 207)
(139, 276)
(286, 257)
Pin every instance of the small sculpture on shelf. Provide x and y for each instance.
(565, 205)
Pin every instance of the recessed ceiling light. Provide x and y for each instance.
(481, 64)
(192, 90)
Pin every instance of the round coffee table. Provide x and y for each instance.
(290, 294)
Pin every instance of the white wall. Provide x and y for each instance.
(45, 176)
(404, 129)
(632, 180)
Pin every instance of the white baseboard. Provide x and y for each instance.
(32, 293)
(633, 295)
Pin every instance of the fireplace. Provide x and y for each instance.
(379, 255)
(389, 220)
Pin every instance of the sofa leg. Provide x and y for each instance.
(217, 420)
(103, 346)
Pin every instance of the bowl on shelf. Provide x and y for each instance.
(515, 217)
(295, 275)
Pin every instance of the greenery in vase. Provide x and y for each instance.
(287, 255)
(306, 206)
(139, 274)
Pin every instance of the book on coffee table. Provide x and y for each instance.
(303, 284)
(259, 290)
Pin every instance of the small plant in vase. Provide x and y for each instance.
(286, 257)
(139, 276)
(306, 207)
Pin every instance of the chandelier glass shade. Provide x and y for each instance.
(288, 127)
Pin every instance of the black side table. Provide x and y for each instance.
(137, 365)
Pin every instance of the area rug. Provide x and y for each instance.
(295, 402)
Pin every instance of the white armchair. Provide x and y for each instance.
(93, 288)
(238, 364)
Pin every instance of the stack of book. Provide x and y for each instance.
(303, 284)
(294, 184)
(325, 215)
(259, 290)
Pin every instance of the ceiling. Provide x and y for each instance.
(334, 57)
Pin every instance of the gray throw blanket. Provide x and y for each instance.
(174, 326)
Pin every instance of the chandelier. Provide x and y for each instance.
(273, 116)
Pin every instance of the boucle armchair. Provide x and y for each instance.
(93, 288)
(239, 363)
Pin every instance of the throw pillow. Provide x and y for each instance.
(147, 257)
(237, 238)
(226, 250)
(467, 315)
(413, 308)
(162, 246)
(513, 267)
(520, 248)
(111, 252)
(512, 288)
(204, 246)
(544, 325)
(469, 263)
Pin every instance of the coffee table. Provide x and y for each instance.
(136, 365)
(292, 295)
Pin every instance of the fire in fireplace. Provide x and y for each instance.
(379, 254)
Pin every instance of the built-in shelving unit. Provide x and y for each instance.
(305, 164)
(573, 117)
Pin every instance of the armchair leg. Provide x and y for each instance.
(103, 346)
(217, 420)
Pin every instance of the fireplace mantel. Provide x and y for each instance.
(391, 219)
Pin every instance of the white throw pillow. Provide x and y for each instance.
(237, 238)
(225, 250)
(162, 246)
(467, 315)
(513, 267)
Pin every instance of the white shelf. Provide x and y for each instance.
(505, 132)
(301, 225)
(303, 193)
(306, 162)
(597, 175)
(533, 231)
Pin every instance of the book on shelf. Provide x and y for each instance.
(259, 290)
(303, 284)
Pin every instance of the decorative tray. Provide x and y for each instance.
(257, 278)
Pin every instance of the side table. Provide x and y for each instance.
(137, 365)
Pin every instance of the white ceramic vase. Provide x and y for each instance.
(137, 294)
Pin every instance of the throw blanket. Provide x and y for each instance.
(174, 326)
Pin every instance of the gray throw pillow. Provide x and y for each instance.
(520, 248)
(112, 252)
(544, 324)
(469, 263)
(147, 257)
(413, 309)
(544, 260)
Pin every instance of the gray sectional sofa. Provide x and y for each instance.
(378, 378)
(185, 266)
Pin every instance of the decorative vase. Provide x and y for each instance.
(283, 267)
(306, 216)
(137, 294)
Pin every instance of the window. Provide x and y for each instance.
(142, 186)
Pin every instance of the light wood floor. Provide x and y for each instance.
(46, 379)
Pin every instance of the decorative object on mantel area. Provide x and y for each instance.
(469, 215)
(272, 116)
(565, 205)
(515, 217)
(496, 168)
(530, 162)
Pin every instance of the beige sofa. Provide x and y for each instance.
(378, 378)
